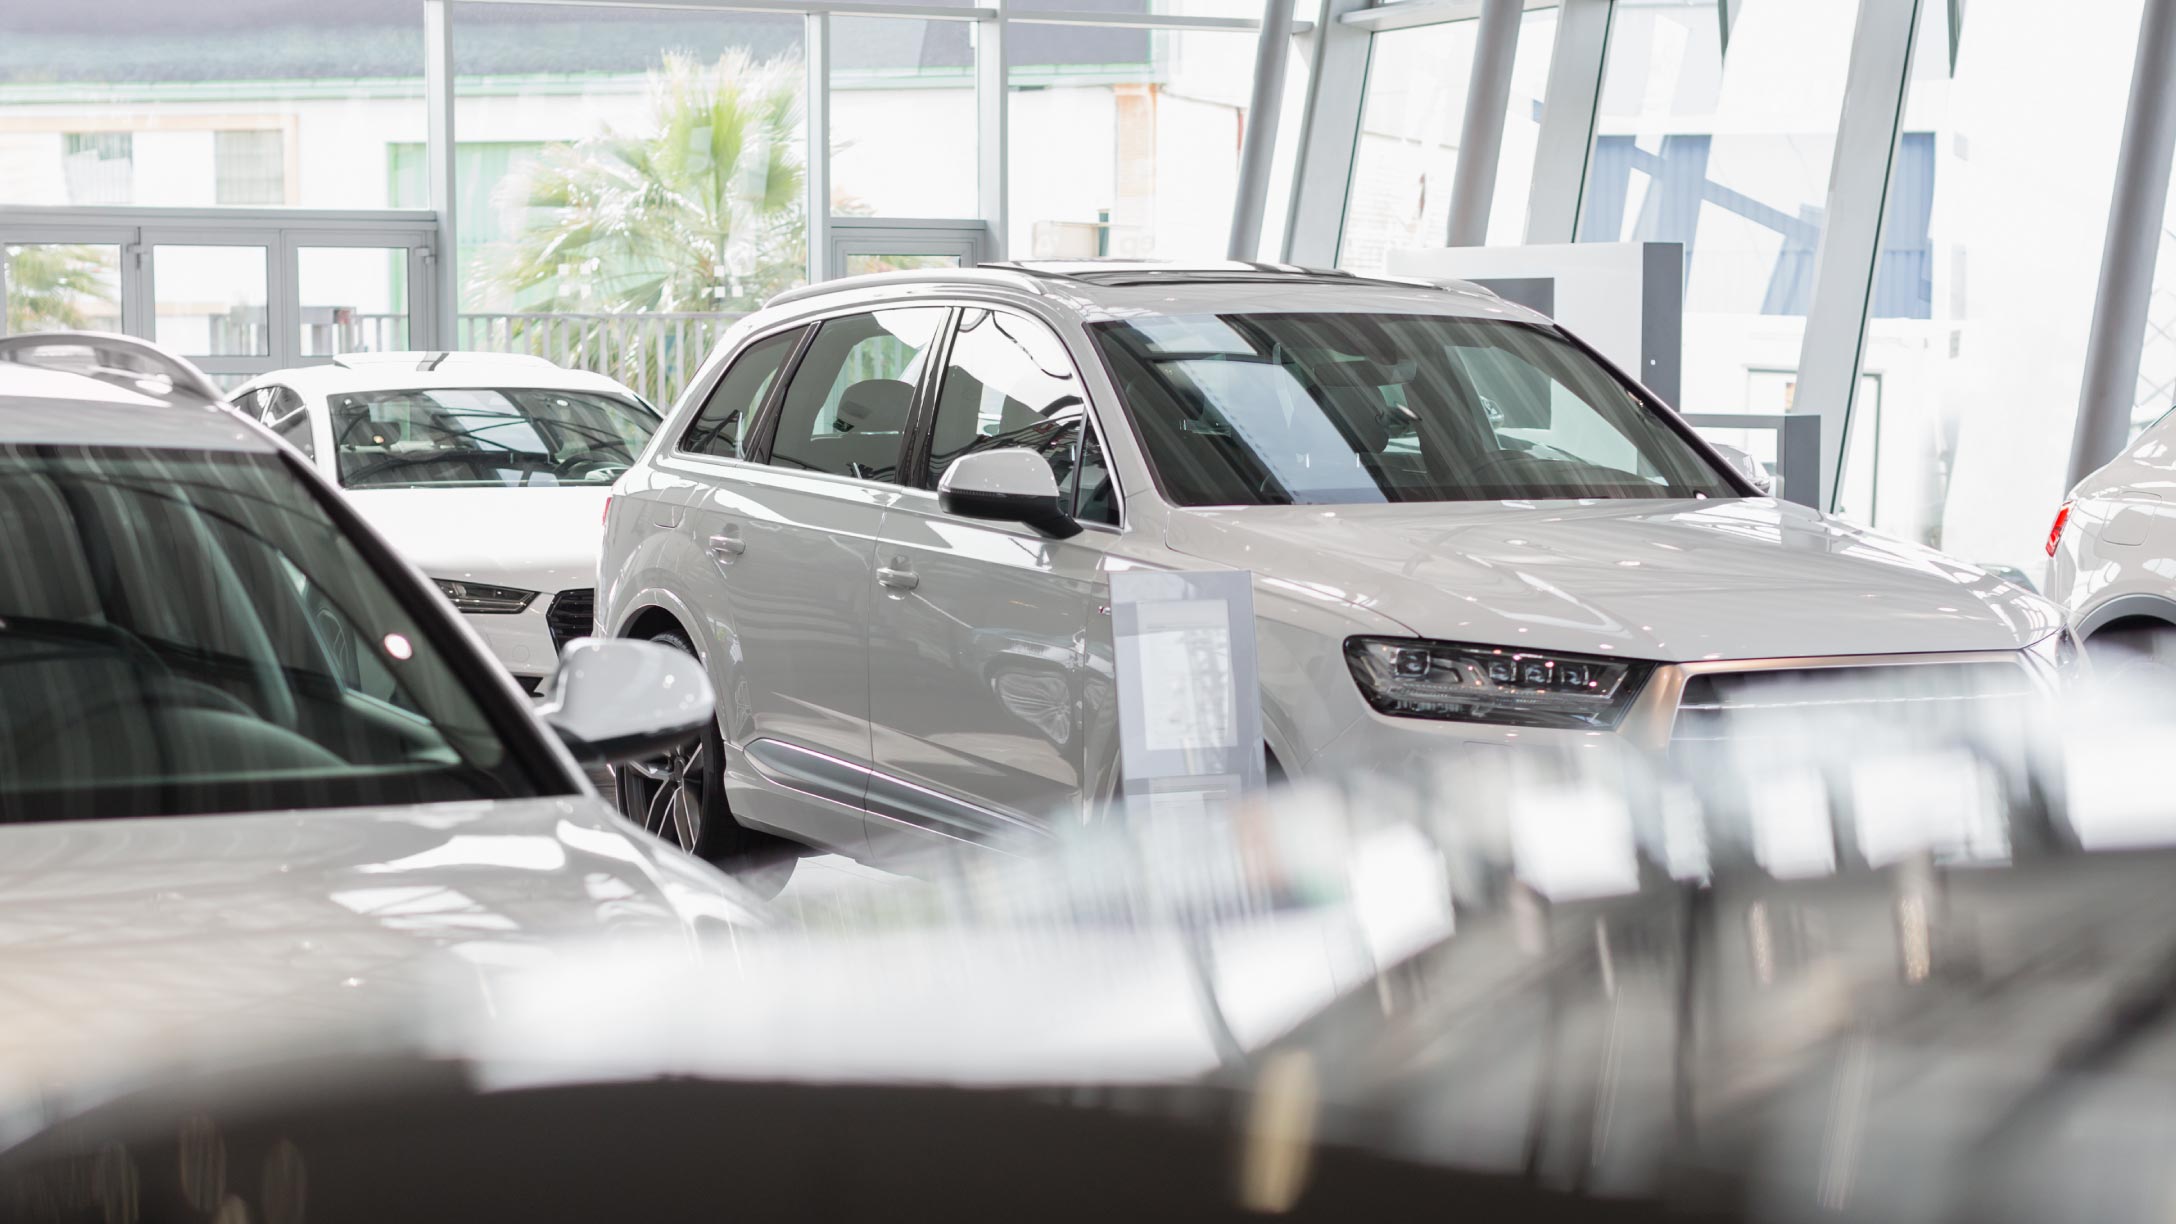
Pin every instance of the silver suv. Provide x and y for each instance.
(887, 511)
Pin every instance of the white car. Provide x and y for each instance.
(251, 767)
(489, 471)
(2113, 546)
(887, 509)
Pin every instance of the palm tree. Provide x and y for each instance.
(701, 213)
(58, 285)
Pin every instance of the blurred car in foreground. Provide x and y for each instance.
(488, 471)
(251, 766)
(1569, 984)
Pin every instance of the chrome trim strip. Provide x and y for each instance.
(815, 774)
(819, 775)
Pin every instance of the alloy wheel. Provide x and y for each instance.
(675, 809)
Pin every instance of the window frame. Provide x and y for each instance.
(763, 431)
(925, 422)
(760, 412)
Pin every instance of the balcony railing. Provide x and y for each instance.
(656, 354)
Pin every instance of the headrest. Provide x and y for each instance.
(876, 404)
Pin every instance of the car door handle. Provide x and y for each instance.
(724, 546)
(898, 578)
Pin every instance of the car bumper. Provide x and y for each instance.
(521, 641)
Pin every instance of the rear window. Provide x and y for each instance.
(188, 632)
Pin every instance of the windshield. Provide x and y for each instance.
(447, 437)
(1339, 409)
(185, 631)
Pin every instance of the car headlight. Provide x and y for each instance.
(1493, 684)
(477, 597)
(2060, 657)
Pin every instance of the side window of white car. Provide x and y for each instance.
(1009, 383)
(719, 427)
(285, 414)
(846, 411)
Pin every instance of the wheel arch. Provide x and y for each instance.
(2128, 612)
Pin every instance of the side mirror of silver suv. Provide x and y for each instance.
(618, 699)
(1748, 467)
(1011, 485)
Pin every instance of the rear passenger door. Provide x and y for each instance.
(788, 537)
(982, 707)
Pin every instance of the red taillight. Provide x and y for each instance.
(606, 517)
(2055, 533)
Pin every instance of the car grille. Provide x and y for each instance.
(572, 615)
(1894, 703)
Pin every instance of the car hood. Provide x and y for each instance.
(1666, 580)
(540, 539)
(123, 937)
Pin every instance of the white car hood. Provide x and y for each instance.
(537, 539)
(1670, 581)
(124, 940)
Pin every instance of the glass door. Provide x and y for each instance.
(210, 298)
(237, 298)
(861, 245)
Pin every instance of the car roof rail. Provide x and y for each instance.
(109, 357)
(1129, 272)
(1008, 275)
(430, 360)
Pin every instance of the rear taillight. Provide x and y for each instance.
(2055, 533)
(606, 517)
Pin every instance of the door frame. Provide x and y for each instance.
(967, 240)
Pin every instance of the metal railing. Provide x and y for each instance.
(655, 354)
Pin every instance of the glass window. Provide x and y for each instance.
(903, 118)
(291, 102)
(186, 632)
(638, 160)
(1007, 383)
(1411, 119)
(1152, 123)
(209, 301)
(249, 168)
(846, 411)
(354, 299)
(53, 286)
(719, 426)
(1328, 409)
(1731, 158)
(1010, 383)
(285, 415)
(441, 437)
(2007, 194)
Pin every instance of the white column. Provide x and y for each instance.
(1329, 134)
(992, 128)
(1858, 184)
(1481, 136)
(2128, 256)
(816, 173)
(1259, 149)
(439, 150)
(1561, 151)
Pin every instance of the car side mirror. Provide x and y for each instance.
(619, 699)
(1749, 467)
(1010, 485)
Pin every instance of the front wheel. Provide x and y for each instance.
(680, 797)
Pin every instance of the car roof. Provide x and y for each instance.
(39, 405)
(1105, 289)
(422, 371)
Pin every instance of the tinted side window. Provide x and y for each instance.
(285, 415)
(1008, 384)
(718, 428)
(846, 410)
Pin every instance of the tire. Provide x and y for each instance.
(681, 799)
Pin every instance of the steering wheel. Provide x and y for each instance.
(595, 465)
